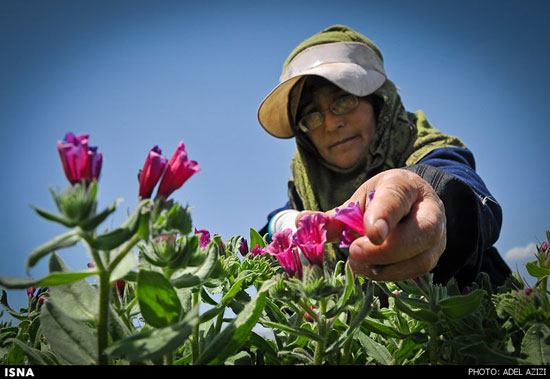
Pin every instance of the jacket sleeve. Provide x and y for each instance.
(474, 217)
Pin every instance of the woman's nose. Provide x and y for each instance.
(332, 121)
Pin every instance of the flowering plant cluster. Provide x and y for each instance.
(166, 293)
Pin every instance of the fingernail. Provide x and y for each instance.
(382, 227)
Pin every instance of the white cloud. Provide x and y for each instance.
(521, 252)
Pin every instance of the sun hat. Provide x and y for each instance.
(342, 56)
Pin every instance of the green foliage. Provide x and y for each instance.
(162, 298)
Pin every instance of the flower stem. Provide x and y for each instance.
(320, 347)
(102, 328)
(195, 340)
(129, 246)
(433, 343)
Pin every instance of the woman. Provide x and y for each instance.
(431, 212)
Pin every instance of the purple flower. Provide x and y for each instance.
(243, 247)
(204, 238)
(352, 218)
(80, 161)
(152, 171)
(290, 261)
(177, 172)
(311, 236)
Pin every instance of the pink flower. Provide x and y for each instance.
(177, 172)
(352, 218)
(80, 161)
(152, 171)
(204, 238)
(257, 250)
(311, 236)
(281, 241)
(290, 261)
(544, 246)
(30, 291)
(286, 253)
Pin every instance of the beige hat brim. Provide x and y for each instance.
(357, 79)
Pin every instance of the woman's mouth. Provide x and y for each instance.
(342, 142)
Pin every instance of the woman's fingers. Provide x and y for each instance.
(407, 269)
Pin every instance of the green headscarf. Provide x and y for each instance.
(402, 139)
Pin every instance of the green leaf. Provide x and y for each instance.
(374, 350)
(348, 290)
(11, 312)
(127, 264)
(125, 231)
(384, 330)
(235, 333)
(256, 239)
(158, 300)
(54, 217)
(179, 219)
(536, 271)
(420, 314)
(35, 357)
(71, 340)
(64, 240)
(195, 275)
(155, 343)
(94, 221)
(77, 300)
(356, 322)
(297, 331)
(50, 280)
(536, 344)
(460, 306)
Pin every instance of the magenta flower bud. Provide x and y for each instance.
(204, 239)
(30, 291)
(119, 286)
(257, 250)
(177, 172)
(152, 171)
(544, 246)
(311, 236)
(80, 161)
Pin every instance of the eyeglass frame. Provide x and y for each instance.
(306, 129)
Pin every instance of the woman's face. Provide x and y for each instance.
(341, 140)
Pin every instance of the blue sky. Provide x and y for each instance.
(134, 74)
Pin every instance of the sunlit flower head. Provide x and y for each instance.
(311, 236)
(179, 169)
(152, 170)
(80, 161)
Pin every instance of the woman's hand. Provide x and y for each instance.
(405, 227)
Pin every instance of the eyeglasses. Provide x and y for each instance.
(339, 107)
